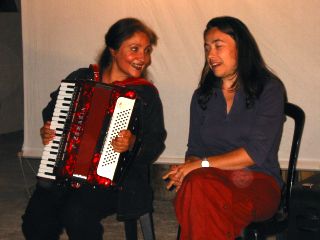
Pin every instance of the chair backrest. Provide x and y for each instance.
(297, 114)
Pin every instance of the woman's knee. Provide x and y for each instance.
(74, 216)
(79, 219)
(83, 228)
(34, 228)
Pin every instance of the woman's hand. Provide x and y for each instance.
(176, 174)
(124, 141)
(46, 133)
(171, 177)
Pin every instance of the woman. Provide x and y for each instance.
(231, 174)
(53, 207)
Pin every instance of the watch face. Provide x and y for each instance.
(205, 163)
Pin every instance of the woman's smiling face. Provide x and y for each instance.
(132, 58)
(221, 54)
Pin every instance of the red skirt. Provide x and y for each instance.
(219, 204)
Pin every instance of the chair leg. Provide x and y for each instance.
(147, 226)
(178, 234)
(130, 227)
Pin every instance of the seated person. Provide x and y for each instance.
(55, 206)
(231, 175)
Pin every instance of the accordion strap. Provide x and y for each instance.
(128, 82)
(95, 70)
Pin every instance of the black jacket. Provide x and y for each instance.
(135, 196)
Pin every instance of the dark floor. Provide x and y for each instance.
(17, 178)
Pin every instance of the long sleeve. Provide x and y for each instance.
(195, 143)
(153, 131)
(265, 134)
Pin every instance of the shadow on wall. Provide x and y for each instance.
(11, 78)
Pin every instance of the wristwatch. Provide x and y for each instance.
(205, 162)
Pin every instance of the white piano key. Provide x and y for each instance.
(61, 110)
(66, 87)
(63, 101)
(63, 105)
(65, 90)
(56, 125)
(50, 152)
(67, 84)
(48, 162)
(56, 139)
(49, 155)
(49, 148)
(58, 132)
(47, 158)
(46, 175)
(57, 119)
(67, 94)
(64, 97)
(60, 118)
(60, 115)
(40, 174)
(45, 169)
(54, 146)
(51, 145)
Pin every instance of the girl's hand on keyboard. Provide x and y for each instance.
(46, 133)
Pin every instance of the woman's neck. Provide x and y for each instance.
(109, 76)
(228, 85)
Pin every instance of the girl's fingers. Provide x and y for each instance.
(46, 133)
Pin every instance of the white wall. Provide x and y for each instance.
(60, 36)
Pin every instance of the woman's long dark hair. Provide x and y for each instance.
(120, 31)
(252, 71)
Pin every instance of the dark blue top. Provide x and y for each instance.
(258, 129)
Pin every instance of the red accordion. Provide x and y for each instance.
(87, 116)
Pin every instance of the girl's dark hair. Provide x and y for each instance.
(120, 31)
(252, 71)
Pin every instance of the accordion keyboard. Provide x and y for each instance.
(60, 114)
